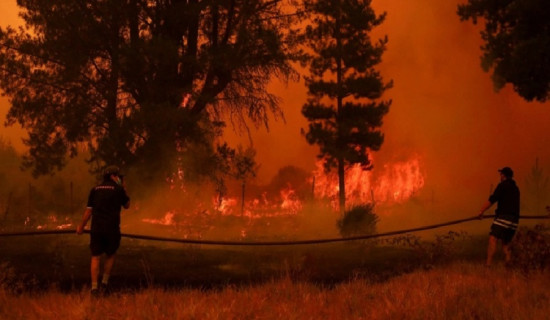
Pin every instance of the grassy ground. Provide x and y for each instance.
(63, 261)
(458, 290)
(46, 277)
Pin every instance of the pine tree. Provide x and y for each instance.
(536, 184)
(344, 108)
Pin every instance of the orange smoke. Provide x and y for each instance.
(444, 108)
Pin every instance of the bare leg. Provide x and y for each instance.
(507, 253)
(108, 266)
(94, 270)
(491, 248)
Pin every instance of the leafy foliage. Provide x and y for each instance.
(531, 248)
(516, 43)
(341, 65)
(239, 164)
(140, 81)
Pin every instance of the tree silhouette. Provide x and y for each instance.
(140, 81)
(516, 43)
(244, 168)
(343, 108)
(239, 164)
(536, 184)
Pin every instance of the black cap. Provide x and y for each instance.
(507, 172)
(112, 170)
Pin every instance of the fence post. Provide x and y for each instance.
(71, 197)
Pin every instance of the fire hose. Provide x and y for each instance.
(268, 243)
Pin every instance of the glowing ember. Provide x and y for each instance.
(176, 180)
(185, 100)
(51, 220)
(288, 204)
(167, 220)
(64, 226)
(291, 202)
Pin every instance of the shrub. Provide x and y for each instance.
(439, 250)
(360, 220)
(531, 248)
(15, 283)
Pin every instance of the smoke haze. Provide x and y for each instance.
(444, 110)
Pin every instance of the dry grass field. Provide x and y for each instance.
(461, 290)
(47, 277)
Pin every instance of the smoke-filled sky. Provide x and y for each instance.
(444, 108)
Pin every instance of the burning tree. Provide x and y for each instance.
(140, 81)
(340, 44)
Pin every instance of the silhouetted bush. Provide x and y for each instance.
(359, 220)
(531, 248)
(15, 283)
(439, 250)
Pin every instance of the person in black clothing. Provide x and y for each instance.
(104, 205)
(506, 215)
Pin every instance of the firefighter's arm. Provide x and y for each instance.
(127, 204)
(85, 218)
(484, 208)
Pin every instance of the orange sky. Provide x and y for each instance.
(444, 106)
(8, 16)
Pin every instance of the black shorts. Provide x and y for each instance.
(107, 243)
(502, 233)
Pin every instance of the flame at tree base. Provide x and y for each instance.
(290, 209)
(395, 183)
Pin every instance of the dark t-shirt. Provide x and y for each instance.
(507, 196)
(106, 201)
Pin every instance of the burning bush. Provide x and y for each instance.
(360, 220)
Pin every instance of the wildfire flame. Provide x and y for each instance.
(288, 204)
(393, 182)
(167, 220)
(52, 220)
(396, 182)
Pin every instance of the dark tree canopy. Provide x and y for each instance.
(516, 43)
(344, 109)
(140, 81)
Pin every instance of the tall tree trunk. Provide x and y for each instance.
(242, 200)
(341, 169)
(112, 95)
(341, 185)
